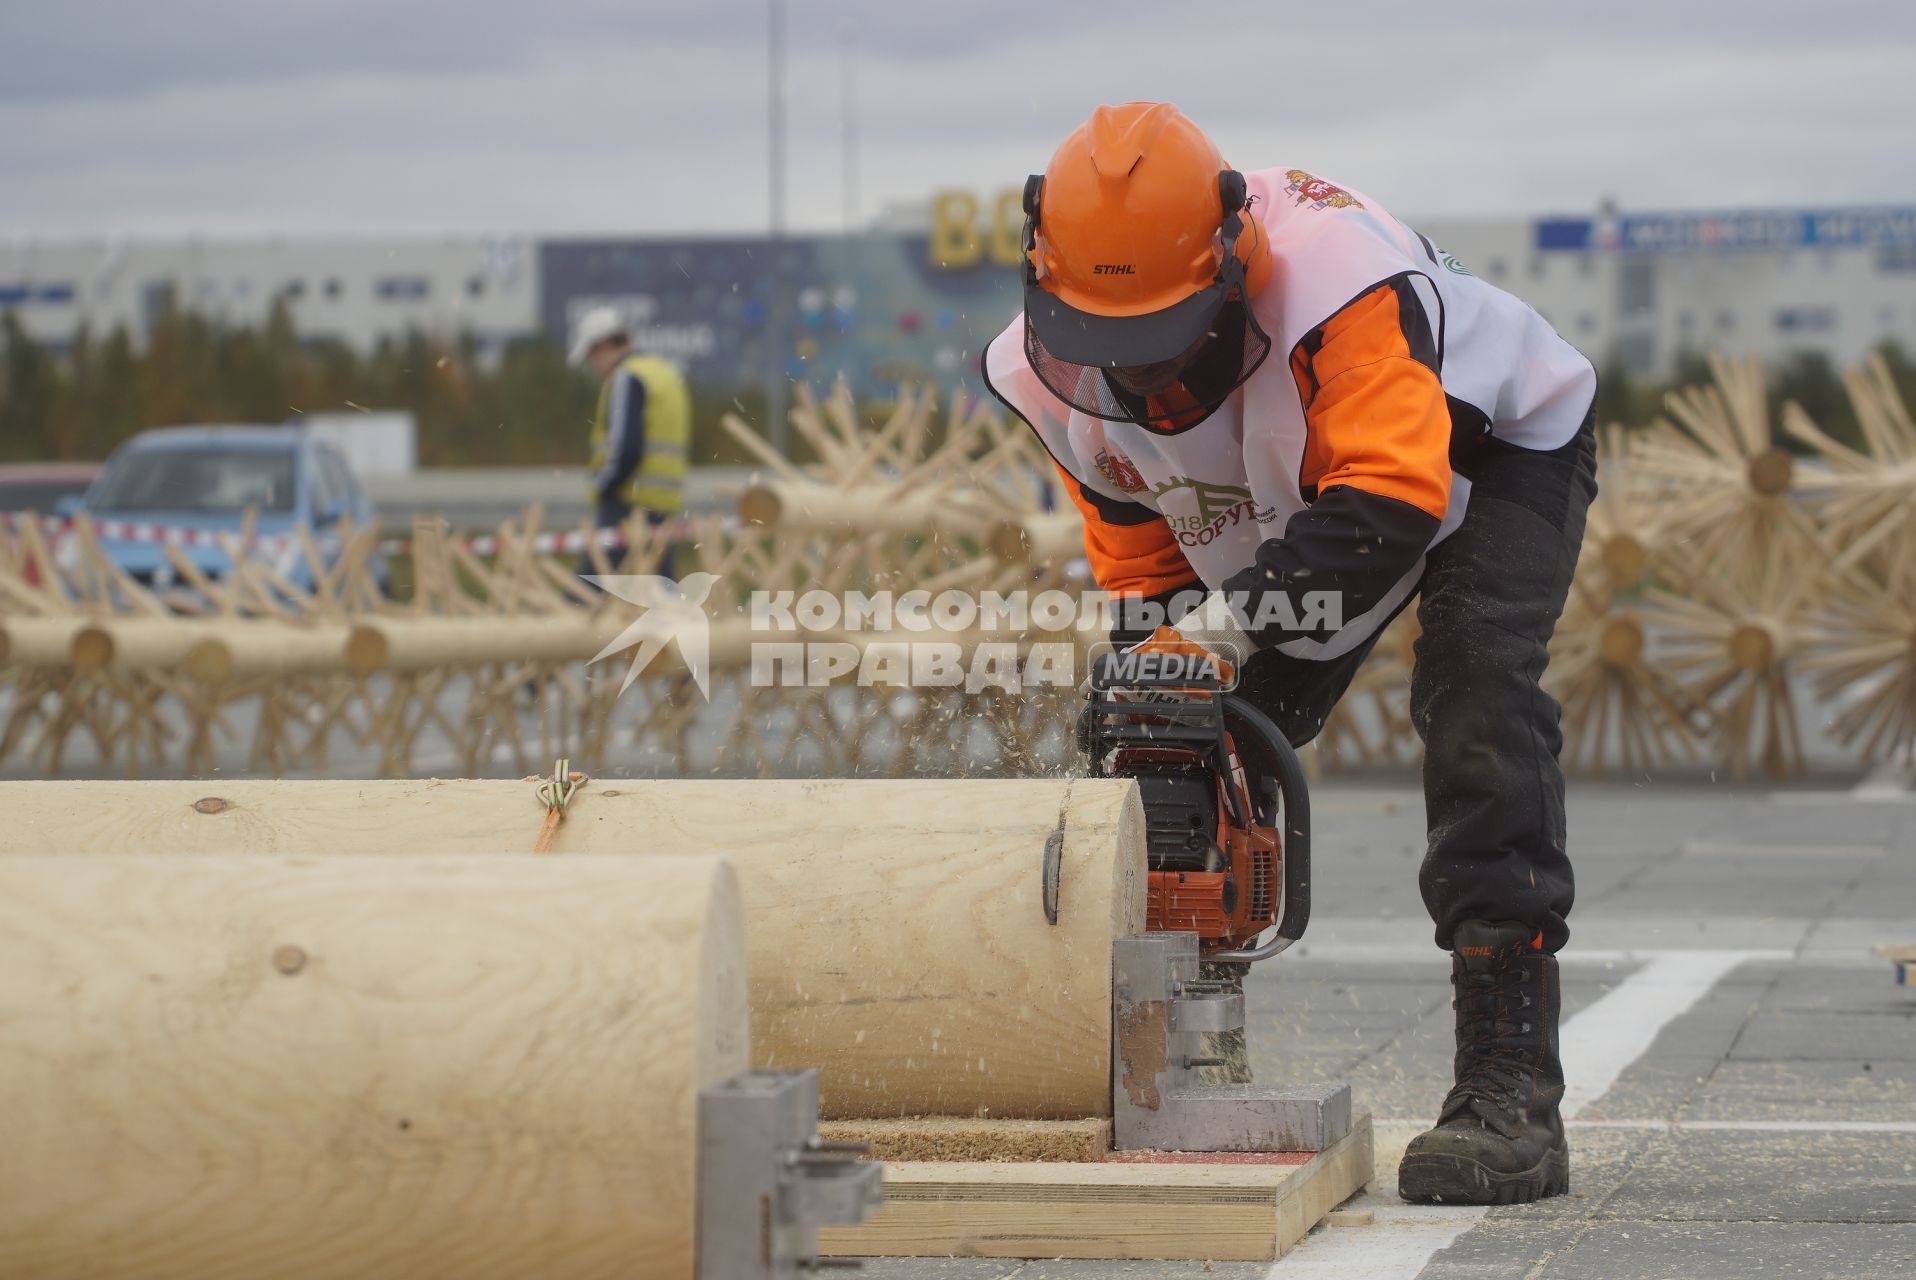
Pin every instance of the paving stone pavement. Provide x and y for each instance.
(1767, 1130)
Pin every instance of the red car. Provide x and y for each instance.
(43, 488)
(39, 486)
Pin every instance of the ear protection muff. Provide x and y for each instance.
(1230, 191)
(1253, 252)
(1034, 195)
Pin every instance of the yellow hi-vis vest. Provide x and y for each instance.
(658, 483)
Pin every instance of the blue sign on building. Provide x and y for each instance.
(1861, 227)
(871, 308)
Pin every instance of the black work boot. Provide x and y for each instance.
(1499, 1138)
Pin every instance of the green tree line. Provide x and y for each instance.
(523, 408)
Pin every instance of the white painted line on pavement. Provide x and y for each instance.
(1597, 1044)
(1396, 1247)
(1614, 1031)
(1891, 780)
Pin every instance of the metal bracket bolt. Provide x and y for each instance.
(767, 1182)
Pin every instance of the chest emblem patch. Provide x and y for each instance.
(1319, 193)
(1120, 472)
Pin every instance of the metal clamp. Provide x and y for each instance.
(1208, 1011)
(767, 1182)
(1160, 1010)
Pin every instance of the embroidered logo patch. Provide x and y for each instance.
(1319, 193)
(1220, 508)
(1120, 472)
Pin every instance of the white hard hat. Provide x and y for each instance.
(594, 327)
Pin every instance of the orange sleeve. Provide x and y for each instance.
(1129, 559)
(1375, 408)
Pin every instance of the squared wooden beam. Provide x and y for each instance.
(1216, 1207)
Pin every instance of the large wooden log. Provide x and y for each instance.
(798, 507)
(149, 643)
(39, 642)
(1042, 537)
(428, 644)
(221, 1067)
(209, 649)
(259, 648)
(898, 933)
(420, 644)
(221, 649)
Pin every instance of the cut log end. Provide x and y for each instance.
(760, 506)
(92, 649)
(1008, 542)
(210, 662)
(1621, 643)
(367, 650)
(1771, 472)
(1752, 647)
(1624, 559)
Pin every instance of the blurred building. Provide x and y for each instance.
(356, 291)
(919, 292)
(1643, 289)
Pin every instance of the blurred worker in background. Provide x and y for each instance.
(642, 433)
(1284, 415)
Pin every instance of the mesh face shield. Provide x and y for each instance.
(1211, 336)
(1228, 350)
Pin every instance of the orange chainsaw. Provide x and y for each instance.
(1226, 812)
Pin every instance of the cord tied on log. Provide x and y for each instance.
(556, 793)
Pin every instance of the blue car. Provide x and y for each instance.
(187, 485)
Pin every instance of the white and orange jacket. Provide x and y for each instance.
(1331, 467)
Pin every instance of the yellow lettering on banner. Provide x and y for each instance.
(1007, 232)
(954, 230)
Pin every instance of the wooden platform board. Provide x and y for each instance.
(1226, 1208)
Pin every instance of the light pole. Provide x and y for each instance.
(775, 341)
(848, 107)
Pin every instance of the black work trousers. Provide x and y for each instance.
(1488, 601)
(612, 513)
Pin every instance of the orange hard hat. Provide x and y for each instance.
(1137, 233)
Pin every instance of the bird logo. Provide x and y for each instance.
(673, 612)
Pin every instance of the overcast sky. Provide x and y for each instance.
(163, 117)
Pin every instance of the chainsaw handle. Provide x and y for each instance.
(1251, 727)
